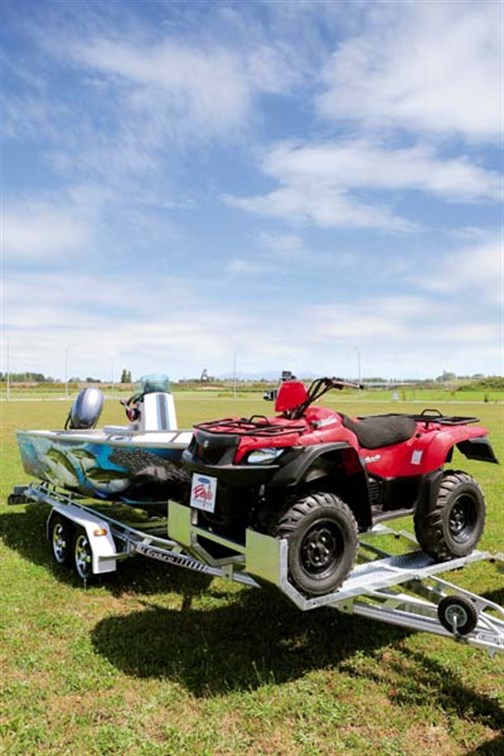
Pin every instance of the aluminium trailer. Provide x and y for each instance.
(400, 589)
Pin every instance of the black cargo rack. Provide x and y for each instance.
(435, 416)
(257, 425)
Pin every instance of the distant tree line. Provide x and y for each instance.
(29, 377)
(26, 378)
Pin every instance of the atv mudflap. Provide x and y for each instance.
(376, 587)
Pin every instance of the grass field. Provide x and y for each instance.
(155, 660)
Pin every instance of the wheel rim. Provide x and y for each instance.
(59, 543)
(456, 616)
(462, 519)
(321, 548)
(82, 555)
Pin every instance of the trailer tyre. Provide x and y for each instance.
(457, 614)
(322, 542)
(82, 555)
(61, 537)
(452, 525)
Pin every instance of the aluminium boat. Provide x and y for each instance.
(139, 464)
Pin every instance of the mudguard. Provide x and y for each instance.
(341, 469)
(470, 441)
(478, 448)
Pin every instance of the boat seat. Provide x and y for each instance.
(382, 430)
(157, 412)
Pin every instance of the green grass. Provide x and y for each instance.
(155, 660)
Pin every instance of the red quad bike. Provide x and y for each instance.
(318, 478)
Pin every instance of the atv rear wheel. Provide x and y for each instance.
(322, 536)
(452, 525)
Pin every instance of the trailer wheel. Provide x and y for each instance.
(457, 614)
(452, 525)
(60, 535)
(322, 538)
(82, 555)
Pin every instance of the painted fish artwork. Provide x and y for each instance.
(130, 469)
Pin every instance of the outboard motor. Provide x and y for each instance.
(85, 410)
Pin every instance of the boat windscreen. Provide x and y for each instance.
(149, 384)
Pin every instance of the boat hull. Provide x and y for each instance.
(140, 469)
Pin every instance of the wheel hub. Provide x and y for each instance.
(59, 542)
(456, 616)
(82, 556)
(461, 518)
(319, 548)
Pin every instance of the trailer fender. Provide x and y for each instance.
(97, 530)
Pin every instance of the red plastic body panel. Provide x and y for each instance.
(424, 452)
(290, 394)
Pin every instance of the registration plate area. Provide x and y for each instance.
(203, 492)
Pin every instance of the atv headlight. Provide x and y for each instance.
(264, 456)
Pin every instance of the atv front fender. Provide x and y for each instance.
(334, 467)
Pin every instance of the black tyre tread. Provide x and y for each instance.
(297, 509)
(429, 527)
(464, 603)
(288, 522)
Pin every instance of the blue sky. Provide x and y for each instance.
(291, 184)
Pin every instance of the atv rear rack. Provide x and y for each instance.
(435, 416)
(403, 590)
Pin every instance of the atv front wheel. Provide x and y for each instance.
(322, 537)
(452, 525)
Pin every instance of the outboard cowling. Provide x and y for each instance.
(85, 410)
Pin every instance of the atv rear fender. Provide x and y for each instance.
(478, 448)
(332, 467)
(471, 441)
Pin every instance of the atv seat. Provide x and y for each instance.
(381, 430)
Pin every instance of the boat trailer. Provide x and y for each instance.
(400, 589)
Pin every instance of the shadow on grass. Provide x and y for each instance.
(257, 639)
(413, 678)
(25, 532)
(493, 747)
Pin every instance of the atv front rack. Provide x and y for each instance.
(399, 589)
(257, 425)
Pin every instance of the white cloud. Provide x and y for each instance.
(244, 267)
(323, 206)
(404, 336)
(429, 66)
(42, 232)
(319, 182)
(185, 91)
(360, 163)
(282, 247)
(476, 271)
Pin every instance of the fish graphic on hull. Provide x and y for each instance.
(106, 470)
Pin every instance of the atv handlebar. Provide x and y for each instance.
(317, 389)
(340, 384)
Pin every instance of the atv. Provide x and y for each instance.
(318, 478)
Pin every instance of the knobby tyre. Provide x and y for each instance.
(322, 542)
(452, 525)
